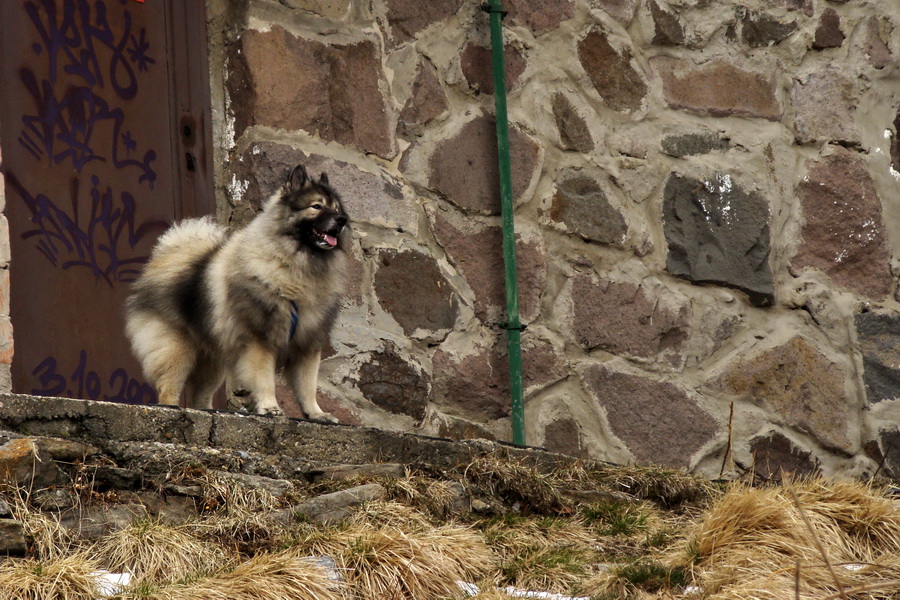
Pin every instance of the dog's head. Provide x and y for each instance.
(313, 212)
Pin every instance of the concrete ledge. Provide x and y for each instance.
(120, 428)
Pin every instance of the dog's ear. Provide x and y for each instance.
(298, 179)
(323, 179)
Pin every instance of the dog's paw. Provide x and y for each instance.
(272, 411)
(323, 417)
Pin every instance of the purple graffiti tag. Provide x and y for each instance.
(102, 245)
(77, 39)
(87, 384)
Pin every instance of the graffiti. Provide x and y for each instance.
(77, 39)
(82, 383)
(100, 245)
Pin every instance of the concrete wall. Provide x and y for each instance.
(708, 216)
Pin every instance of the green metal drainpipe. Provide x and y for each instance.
(512, 325)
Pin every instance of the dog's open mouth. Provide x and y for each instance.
(325, 241)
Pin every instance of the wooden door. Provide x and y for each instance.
(104, 118)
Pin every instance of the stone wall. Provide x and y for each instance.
(707, 216)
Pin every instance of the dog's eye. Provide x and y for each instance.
(316, 206)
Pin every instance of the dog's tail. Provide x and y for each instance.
(188, 239)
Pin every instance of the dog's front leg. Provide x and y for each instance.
(255, 372)
(303, 374)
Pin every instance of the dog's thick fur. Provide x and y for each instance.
(248, 304)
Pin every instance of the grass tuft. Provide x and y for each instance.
(68, 578)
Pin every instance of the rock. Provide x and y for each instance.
(394, 384)
(5, 510)
(476, 251)
(878, 336)
(477, 67)
(718, 88)
(775, 458)
(669, 31)
(344, 472)
(825, 103)
(628, 320)
(878, 33)
(828, 33)
(412, 289)
(800, 385)
(54, 499)
(277, 487)
(622, 11)
(94, 522)
(636, 405)
(477, 385)
(333, 508)
(691, 144)
(540, 16)
(12, 538)
(844, 232)
(574, 133)
(565, 437)
(611, 71)
(275, 79)
(114, 478)
(464, 168)
(427, 102)
(68, 451)
(889, 440)
(718, 232)
(581, 207)
(760, 30)
(24, 463)
(406, 19)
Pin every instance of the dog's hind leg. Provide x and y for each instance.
(166, 354)
(303, 374)
(255, 372)
(206, 379)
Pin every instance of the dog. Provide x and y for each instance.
(249, 304)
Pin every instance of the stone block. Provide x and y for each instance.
(574, 133)
(825, 103)
(629, 320)
(622, 11)
(464, 168)
(668, 28)
(580, 207)
(564, 436)
(760, 29)
(844, 232)
(718, 88)
(412, 289)
(406, 19)
(776, 458)
(12, 538)
(477, 385)
(426, 103)
(395, 384)
(877, 33)
(692, 144)
(658, 421)
(718, 232)
(330, 9)
(333, 508)
(828, 33)
(25, 464)
(476, 251)
(800, 385)
(334, 91)
(477, 67)
(612, 72)
(878, 336)
(540, 16)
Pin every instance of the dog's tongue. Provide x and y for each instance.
(330, 240)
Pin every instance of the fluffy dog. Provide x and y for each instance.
(248, 304)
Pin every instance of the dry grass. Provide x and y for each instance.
(517, 484)
(388, 562)
(434, 496)
(264, 577)
(50, 540)
(158, 553)
(68, 578)
(756, 543)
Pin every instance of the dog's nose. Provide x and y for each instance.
(341, 220)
